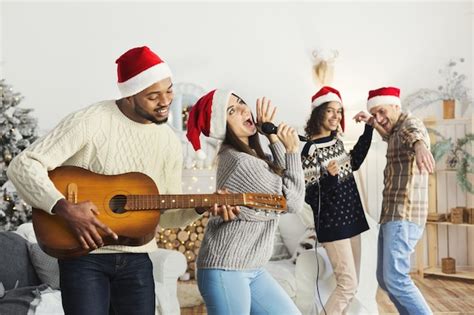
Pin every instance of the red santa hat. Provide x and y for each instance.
(327, 94)
(383, 96)
(208, 116)
(138, 69)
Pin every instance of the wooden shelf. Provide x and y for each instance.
(461, 272)
(449, 223)
(444, 194)
(454, 121)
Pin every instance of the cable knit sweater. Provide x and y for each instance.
(102, 139)
(247, 242)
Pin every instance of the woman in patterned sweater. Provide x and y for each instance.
(332, 193)
(231, 277)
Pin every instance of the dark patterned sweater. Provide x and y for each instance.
(341, 214)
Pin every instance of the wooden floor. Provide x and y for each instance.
(444, 296)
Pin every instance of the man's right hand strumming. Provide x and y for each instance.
(82, 218)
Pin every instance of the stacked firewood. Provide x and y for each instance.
(185, 240)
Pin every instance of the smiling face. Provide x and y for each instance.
(332, 117)
(386, 115)
(152, 104)
(239, 119)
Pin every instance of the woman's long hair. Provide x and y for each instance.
(253, 148)
(315, 121)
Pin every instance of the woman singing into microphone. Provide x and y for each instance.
(231, 277)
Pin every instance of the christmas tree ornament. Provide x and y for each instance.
(18, 129)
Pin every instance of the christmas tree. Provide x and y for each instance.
(18, 129)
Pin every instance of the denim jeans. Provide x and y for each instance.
(243, 292)
(107, 284)
(397, 240)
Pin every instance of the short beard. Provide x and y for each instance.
(160, 122)
(140, 112)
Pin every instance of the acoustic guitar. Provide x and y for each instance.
(129, 204)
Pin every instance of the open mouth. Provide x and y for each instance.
(248, 122)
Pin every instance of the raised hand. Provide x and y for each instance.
(288, 137)
(265, 111)
(369, 120)
(365, 117)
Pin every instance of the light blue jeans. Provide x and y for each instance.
(243, 292)
(397, 240)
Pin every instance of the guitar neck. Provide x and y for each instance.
(164, 202)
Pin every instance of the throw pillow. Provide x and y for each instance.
(21, 300)
(16, 269)
(279, 249)
(291, 229)
(306, 215)
(306, 242)
(27, 232)
(46, 266)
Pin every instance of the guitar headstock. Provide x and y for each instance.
(275, 203)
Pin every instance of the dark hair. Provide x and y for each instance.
(315, 121)
(254, 147)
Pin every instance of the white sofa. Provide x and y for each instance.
(168, 265)
(297, 275)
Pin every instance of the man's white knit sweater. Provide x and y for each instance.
(102, 139)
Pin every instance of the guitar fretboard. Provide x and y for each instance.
(162, 202)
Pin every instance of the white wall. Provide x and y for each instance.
(61, 55)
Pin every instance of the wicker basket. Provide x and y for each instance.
(457, 215)
(448, 265)
(469, 215)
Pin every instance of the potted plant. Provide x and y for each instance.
(452, 90)
(457, 157)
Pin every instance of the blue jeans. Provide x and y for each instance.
(107, 283)
(397, 240)
(242, 292)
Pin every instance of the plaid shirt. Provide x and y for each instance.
(405, 194)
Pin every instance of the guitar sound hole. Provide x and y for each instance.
(117, 204)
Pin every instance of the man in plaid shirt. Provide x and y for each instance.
(405, 197)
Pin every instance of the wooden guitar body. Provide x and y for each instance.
(133, 227)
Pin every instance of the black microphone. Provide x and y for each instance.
(269, 128)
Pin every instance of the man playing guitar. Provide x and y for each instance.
(110, 138)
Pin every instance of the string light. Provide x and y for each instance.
(188, 240)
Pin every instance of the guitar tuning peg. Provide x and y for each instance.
(267, 213)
